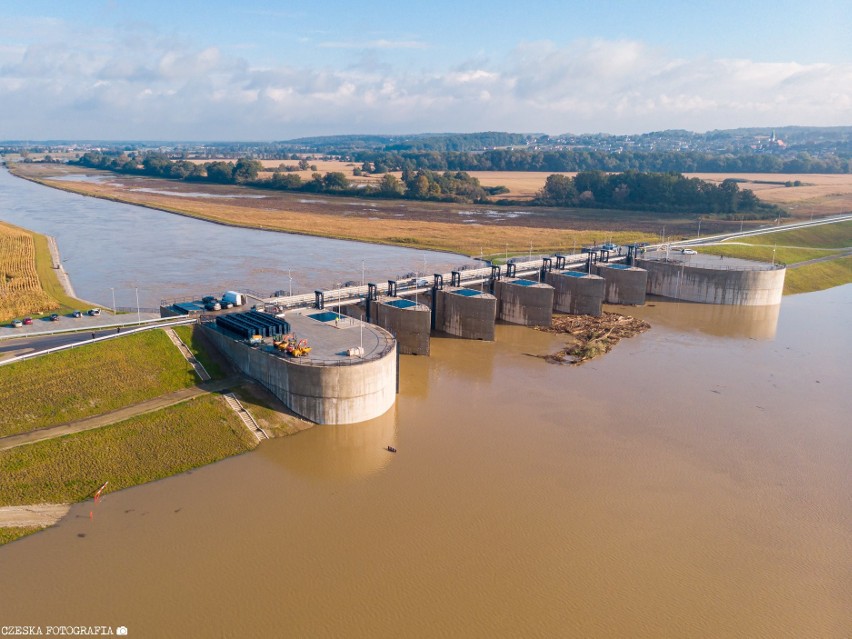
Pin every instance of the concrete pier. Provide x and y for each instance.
(349, 376)
(623, 284)
(524, 302)
(576, 293)
(710, 280)
(408, 321)
(466, 313)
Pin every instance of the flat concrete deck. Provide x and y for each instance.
(703, 260)
(330, 340)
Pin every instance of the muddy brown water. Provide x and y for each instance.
(695, 482)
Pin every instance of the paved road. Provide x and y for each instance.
(712, 239)
(29, 344)
(98, 421)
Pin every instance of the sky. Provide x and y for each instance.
(247, 70)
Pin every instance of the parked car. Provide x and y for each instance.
(213, 306)
(28, 321)
(688, 252)
(77, 314)
(16, 323)
(226, 304)
(94, 312)
(609, 246)
(208, 298)
(54, 317)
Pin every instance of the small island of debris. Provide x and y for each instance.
(591, 336)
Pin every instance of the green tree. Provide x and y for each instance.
(247, 169)
(558, 190)
(391, 186)
(335, 181)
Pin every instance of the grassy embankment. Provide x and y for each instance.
(90, 380)
(190, 336)
(421, 233)
(795, 247)
(28, 282)
(135, 451)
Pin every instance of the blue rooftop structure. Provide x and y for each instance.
(401, 303)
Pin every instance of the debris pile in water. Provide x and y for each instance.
(591, 336)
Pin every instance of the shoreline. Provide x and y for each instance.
(46, 182)
(61, 273)
(508, 233)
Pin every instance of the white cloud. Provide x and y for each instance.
(374, 44)
(138, 84)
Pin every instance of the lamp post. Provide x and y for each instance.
(290, 276)
(699, 226)
(138, 312)
(112, 288)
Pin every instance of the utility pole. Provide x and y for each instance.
(138, 312)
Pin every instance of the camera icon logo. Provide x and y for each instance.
(121, 631)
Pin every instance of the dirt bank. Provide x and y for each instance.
(32, 515)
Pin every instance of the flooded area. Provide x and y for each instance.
(693, 482)
(107, 245)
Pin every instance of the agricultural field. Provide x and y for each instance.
(21, 291)
(818, 195)
(135, 451)
(89, 380)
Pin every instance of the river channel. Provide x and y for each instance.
(107, 245)
(695, 482)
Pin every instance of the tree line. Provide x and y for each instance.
(571, 160)
(663, 192)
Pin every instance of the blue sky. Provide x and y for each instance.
(266, 71)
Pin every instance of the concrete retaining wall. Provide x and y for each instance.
(759, 287)
(470, 317)
(342, 394)
(410, 326)
(525, 305)
(576, 295)
(623, 285)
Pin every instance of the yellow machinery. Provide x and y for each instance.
(293, 347)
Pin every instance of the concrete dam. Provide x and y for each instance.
(332, 356)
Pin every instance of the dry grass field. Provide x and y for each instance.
(820, 194)
(459, 228)
(21, 291)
